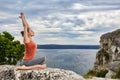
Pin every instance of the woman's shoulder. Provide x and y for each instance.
(27, 41)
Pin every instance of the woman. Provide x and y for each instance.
(28, 61)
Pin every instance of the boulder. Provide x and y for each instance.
(8, 72)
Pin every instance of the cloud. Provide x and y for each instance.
(59, 28)
(90, 6)
(78, 6)
(61, 21)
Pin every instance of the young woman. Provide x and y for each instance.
(28, 62)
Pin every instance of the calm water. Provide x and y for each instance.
(77, 60)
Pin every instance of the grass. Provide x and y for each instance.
(91, 74)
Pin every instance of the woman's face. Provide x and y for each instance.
(31, 33)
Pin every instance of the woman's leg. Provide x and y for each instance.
(33, 64)
(43, 66)
(36, 61)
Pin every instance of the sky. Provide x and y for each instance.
(77, 22)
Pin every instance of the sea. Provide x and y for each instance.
(77, 60)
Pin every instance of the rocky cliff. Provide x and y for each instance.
(8, 72)
(108, 56)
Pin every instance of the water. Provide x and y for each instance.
(77, 60)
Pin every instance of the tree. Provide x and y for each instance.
(11, 51)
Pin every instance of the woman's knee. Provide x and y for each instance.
(44, 65)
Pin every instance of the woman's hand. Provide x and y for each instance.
(21, 15)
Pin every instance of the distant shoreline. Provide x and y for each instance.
(56, 46)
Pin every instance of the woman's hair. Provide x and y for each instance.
(22, 32)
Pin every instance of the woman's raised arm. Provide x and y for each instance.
(26, 27)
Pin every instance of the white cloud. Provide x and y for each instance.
(94, 22)
(74, 23)
(78, 6)
(103, 19)
(83, 32)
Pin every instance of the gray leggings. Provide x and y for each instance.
(33, 61)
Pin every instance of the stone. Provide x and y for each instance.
(114, 66)
(109, 74)
(8, 72)
(108, 56)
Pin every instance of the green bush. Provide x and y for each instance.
(11, 51)
(102, 73)
(91, 74)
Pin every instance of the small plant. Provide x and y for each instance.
(90, 74)
(102, 73)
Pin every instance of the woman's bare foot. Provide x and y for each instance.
(35, 67)
(20, 67)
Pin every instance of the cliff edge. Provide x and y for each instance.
(108, 56)
(8, 72)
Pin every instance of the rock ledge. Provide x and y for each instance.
(8, 72)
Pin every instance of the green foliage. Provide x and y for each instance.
(102, 73)
(91, 74)
(10, 51)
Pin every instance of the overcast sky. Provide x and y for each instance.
(80, 22)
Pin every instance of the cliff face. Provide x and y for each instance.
(108, 56)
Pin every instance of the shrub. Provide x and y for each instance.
(90, 74)
(11, 51)
(101, 73)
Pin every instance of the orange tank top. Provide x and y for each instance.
(30, 50)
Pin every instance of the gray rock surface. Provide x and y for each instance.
(109, 52)
(109, 74)
(114, 66)
(8, 72)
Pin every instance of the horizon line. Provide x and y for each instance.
(67, 44)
